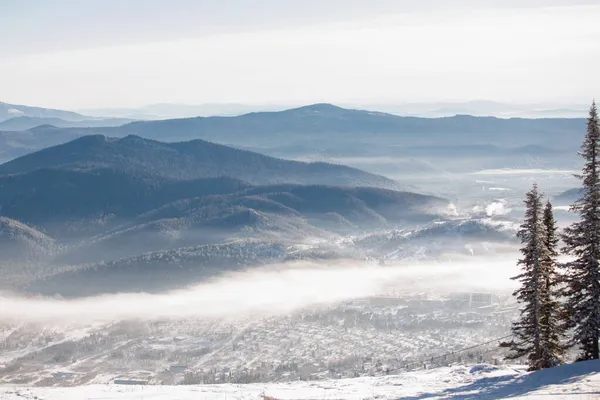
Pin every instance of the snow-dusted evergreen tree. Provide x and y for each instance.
(552, 238)
(551, 310)
(582, 242)
(527, 331)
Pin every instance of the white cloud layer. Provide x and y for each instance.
(271, 291)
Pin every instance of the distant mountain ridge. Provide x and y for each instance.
(188, 160)
(47, 196)
(427, 110)
(8, 111)
(173, 110)
(14, 144)
(97, 214)
(26, 122)
(310, 129)
(313, 121)
(282, 212)
(51, 197)
(316, 120)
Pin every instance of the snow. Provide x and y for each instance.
(574, 381)
(356, 338)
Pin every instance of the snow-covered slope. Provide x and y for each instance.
(574, 381)
(19, 241)
(480, 236)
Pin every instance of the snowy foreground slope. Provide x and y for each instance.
(577, 381)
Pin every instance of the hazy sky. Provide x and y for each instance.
(126, 53)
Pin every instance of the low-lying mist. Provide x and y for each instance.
(272, 290)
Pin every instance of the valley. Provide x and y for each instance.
(299, 200)
(140, 261)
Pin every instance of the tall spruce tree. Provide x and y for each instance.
(551, 310)
(582, 242)
(528, 333)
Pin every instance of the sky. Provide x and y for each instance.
(128, 53)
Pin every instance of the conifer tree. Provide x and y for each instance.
(551, 310)
(527, 331)
(582, 242)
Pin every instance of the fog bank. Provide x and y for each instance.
(271, 290)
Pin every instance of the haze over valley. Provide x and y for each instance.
(316, 200)
(185, 249)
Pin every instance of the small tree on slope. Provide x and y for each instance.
(582, 241)
(527, 331)
(551, 311)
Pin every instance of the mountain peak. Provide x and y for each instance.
(318, 108)
(133, 139)
(43, 127)
(187, 160)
